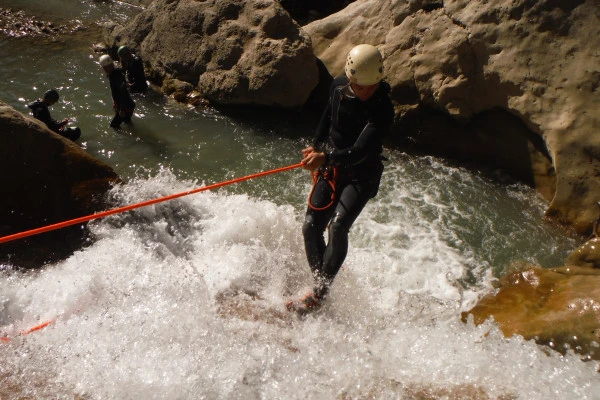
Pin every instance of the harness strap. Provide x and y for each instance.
(327, 176)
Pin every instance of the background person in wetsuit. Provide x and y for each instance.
(40, 111)
(134, 69)
(122, 102)
(346, 160)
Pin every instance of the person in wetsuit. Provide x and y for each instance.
(122, 102)
(40, 111)
(134, 70)
(346, 161)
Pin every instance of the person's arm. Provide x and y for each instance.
(312, 158)
(368, 142)
(44, 116)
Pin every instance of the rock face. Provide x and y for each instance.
(47, 179)
(486, 80)
(586, 255)
(559, 307)
(234, 52)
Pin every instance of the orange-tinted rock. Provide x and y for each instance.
(559, 307)
(587, 255)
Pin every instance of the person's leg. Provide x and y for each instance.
(315, 222)
(116, 121)
(127, 118)
(352, 200)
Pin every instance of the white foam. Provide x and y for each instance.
(140, 313)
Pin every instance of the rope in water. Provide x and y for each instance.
(35, 328)
(103, 214)
(123, 209)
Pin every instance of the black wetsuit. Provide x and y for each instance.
(40, 111)
(135, 74)
(350, 133)
(121, 99)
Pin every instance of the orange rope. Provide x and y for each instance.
(35, 328)
(127, 208)
(138, 205)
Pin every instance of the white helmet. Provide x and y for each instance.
(105, 60)
(364, 65)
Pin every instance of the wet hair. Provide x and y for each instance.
(51, 95)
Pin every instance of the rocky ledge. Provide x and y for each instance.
(18, 24)
(47, 179)
(558, 307)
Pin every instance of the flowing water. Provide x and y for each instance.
(184, 299)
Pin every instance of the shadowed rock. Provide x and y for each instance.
(47, 179)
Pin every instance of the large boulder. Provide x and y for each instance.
(247, 52)
(46, 179)
(557, 307)
(488, 80)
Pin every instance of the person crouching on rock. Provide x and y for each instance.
(134, 70)
(40, 111)
(122, 102)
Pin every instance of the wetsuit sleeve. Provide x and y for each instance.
(367, 143)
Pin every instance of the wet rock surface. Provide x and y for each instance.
(557, 307)
(48, 179)
(454, 66)
(235, 53)
(18, 24)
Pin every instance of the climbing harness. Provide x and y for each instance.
(329, 175)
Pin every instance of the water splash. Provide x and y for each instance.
(185, 299)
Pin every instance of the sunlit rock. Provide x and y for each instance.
(559, 307)
(586, 255)
(47, 179)
(454, 62)
(235, 52)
